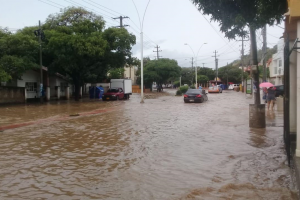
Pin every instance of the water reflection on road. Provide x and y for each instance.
(163, 149)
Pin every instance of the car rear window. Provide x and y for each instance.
(193, 91)
(113, 90)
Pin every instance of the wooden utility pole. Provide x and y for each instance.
(157, 52)
(121, 21)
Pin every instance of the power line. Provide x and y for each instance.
(49, 4)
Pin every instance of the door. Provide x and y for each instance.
(31, 90)
(121, 94)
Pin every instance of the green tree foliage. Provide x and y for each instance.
(116, 73)
(160, 71)
(18, 53)
(78, 46)
(187, 75)
(210, 73)
(235, 15)
(202, 79)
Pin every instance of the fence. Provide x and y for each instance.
(12, 95)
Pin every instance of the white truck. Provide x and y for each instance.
(125, 84)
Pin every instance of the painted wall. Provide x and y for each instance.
(12, 95)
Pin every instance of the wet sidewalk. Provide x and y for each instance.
(162, 149)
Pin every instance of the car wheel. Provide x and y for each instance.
(201, 100)
(185, 102)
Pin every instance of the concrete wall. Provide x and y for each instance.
(12, 95)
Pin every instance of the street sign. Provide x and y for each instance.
(249, 86)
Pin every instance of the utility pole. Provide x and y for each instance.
(40, 35)
(242, 61)
(192, 69)
(216, 64)
(264, 32)
(157, 51)
(203, 64)
(121, 21)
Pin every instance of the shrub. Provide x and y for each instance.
(183, 89)
(176, 83)
(178, 93)
(192, 87)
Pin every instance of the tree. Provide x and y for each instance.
(235, 15)
(203, 79)
(18, 53)
(78, 46)
(160, 71)
(186, 75)
(210, 73)
(116, 73)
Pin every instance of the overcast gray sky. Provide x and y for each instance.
(168, 23)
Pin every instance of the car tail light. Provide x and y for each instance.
(199, 95)
(185, 96)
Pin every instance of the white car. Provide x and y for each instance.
(232, 86)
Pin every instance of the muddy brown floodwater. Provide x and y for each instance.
(163, 149)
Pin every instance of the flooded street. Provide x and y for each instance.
(163, 149)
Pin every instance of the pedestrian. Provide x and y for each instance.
(265, 92)
(200, 87)
(271, 97)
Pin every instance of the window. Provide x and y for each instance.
(280, 63)
(113, 90)
(275, 70)
(31, 86)
(63, 86)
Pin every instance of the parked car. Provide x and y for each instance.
(215, 89)
(279, 90)
(195, 96)
(113, 94)
(232, 86)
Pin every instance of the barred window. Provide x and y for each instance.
(31, 86)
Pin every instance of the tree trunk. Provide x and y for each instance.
(77, 89)
(255, 62)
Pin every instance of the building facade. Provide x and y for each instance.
(276, 65)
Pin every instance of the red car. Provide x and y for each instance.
(113, 94)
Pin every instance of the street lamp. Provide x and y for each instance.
(142, 59)
(195, 56)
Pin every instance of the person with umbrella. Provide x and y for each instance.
(270, 93)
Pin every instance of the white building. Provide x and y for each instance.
(55, 86)
(276, 66)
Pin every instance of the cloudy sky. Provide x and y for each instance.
(167, 23)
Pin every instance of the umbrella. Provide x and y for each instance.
(266, 84)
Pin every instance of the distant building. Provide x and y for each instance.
(130, 73)
(276, 64)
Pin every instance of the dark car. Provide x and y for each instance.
(113, 94)
(195, 96)
(279, 90)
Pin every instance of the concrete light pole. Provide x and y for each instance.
(195, 56)
(142, 48)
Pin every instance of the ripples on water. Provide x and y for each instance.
(163, 149)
